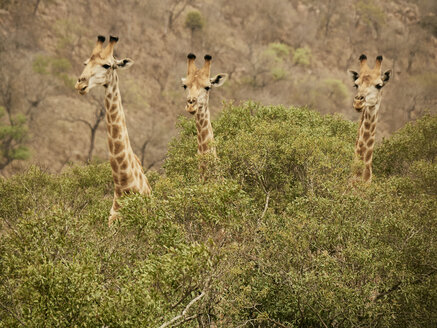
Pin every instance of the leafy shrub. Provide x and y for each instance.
(56, 66)
(279, 50)
(13, 136)
(194, 20)
(302, 56)
(414, 142)
(370, 13)
(276, 237)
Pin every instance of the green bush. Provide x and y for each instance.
(371, 14)
(56, 66)
(276, 237)
(194, 20)
(414, 142)
(13, 137)
(302, 56)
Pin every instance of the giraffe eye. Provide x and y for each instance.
(106, 66)
(378, 86)
(207, 88)
(356, 86)
(184, 86)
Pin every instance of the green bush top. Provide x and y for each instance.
(275, 237)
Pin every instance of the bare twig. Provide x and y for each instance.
(13, 314)
(318, 315)
(399, 284)
(183, 315)
(265, 206)
(277, 323)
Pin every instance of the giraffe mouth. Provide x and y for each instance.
(84, 90)
(358, 106)
(191, 109)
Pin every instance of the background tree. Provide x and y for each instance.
(194, 22)
(13, 136)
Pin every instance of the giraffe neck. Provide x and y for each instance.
(366, 140)
(126, 169)
(205, 135)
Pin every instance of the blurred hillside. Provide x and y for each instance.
(277, 52)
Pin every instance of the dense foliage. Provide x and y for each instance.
(276, 237)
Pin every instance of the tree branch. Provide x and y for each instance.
(183, 315)
(13, 314)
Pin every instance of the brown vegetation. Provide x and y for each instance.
(278, 51)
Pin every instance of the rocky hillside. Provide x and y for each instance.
(276, 52)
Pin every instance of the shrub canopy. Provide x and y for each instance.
(277, 237)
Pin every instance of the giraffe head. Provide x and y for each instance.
(198, 83)
(369, 83)
(99, 66)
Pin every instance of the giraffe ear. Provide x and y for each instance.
(124, 63)
(386, 76)
(353, 74)
(219, 79)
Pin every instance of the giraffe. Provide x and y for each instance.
(198, 83)
(368, 83)
(101, 69)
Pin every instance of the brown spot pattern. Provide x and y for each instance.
(367, 173)
(125, 178)
(120, 158)
(115, 131)
(366, 135)
(118, 146)
(110, 145)
(369, 155)
(113, 164)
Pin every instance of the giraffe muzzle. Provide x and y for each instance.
(358, 103)
(81, 88)
(191, 108)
